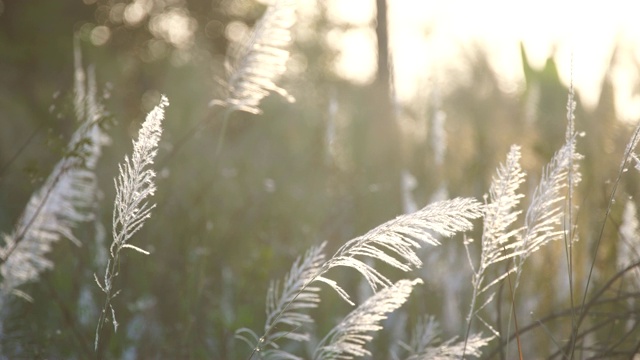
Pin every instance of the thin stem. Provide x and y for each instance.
(15, 156)
(627, 155)
(515, 317)
(568, 234)
(111, 273)
(595, 300)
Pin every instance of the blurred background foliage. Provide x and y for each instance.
(339, 161)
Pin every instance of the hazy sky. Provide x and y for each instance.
(427, 38)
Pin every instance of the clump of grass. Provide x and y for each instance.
(393, 243)
(65, 200)
(508, 239)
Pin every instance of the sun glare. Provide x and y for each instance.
(430, 38)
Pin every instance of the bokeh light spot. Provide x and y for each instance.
(174, 26)
(236, 31)
(100, 35)
(135, 12)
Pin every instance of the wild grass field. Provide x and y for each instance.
(230, 197)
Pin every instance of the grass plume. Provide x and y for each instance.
(347, 339)
(135, 183)
(66, 198)
(255, 63)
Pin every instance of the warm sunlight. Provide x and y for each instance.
(429, 38)
(301, 197)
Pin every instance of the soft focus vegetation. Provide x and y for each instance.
(240, 196)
